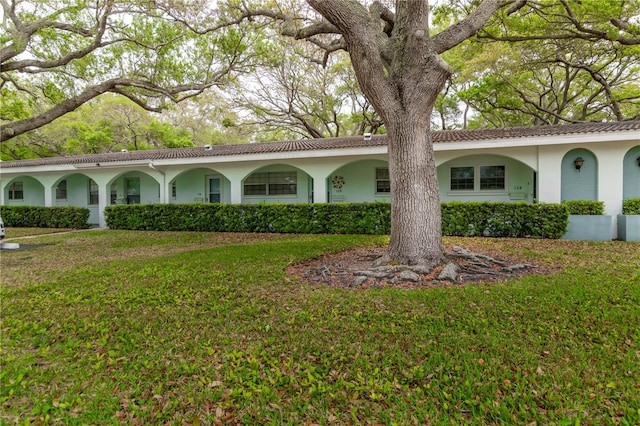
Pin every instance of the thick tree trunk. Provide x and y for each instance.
(401, 74)
(416, 232)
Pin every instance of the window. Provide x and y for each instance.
(492, 177)
(271, 183)
(132, 186)
(113, 193)
(61, 190)
(93, 193)
(462, 178)
(174, 190)
(16, 191)
(383, 185)
(256, 184)
(214, 190)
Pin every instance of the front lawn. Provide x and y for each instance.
(108, 327)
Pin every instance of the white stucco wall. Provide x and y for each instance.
(359, 182)
(519, 181)
(617, 172)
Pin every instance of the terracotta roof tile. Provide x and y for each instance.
(441, 136)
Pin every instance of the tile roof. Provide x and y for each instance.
(440, 136)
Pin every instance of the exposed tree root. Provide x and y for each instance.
(371, 268)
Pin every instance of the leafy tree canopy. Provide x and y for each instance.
(58, 54)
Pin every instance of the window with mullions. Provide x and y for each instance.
(462, 178)
(16, 191)
(383, 185)
(271, 183)
(492, 177)
(93, 193)
(61, 190)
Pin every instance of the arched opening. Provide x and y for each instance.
(24, 191)
(200, 185)
(579, 178)
(486, 177)
(360, 181)
(277, 183)
(73, 190)
(133, 187)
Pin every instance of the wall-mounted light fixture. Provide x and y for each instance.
(578, 162)
(638, 160)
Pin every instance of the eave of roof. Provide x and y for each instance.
(440, 136)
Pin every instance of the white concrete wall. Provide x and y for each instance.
(359, 182)
(357, 165)
(519, 182)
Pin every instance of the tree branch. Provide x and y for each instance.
(462, 30)
(115, 85)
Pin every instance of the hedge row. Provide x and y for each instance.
(45, 217)
(464, 219)
(631, 206)
(340, 218)
(585, 207)
(504, 219)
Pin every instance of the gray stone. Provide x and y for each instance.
(373, 274)
(388, 269)
(381, 261)
(409, 276)
(358, 281)
(450, 272)
(418, 269)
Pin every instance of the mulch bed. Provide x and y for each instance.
(338, 270)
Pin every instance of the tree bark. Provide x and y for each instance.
(416, 231)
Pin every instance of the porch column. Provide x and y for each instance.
(48, 196)
(549, 173)
(610, 183)
(610, 177)
(164, 189)
(320, 188)
(236, 190)
(103, 197)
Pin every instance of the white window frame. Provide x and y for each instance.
(380, 180)
(61, 193)
(13, 190)
(504, 178)
(93, 195)
(477, 180)
(268, 180)
(458, 190)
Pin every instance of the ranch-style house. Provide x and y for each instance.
(586, 161)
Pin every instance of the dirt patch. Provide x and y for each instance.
(353, 269)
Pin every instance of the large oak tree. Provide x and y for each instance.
(398, 66)
(398, 62)
(58, 54)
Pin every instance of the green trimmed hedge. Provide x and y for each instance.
(631, 206)
(499, 219)
(45, 217)
(585, 207)
(279, 218)
(465, 219)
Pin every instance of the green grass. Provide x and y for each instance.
(109, 327)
